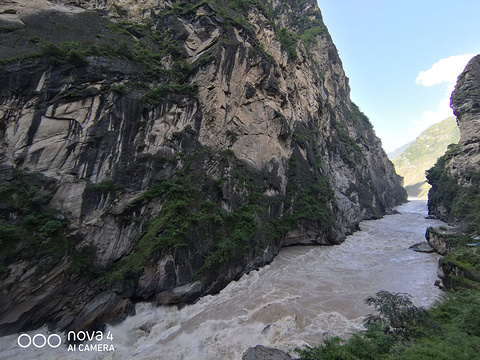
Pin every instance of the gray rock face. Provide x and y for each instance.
(436, 238)
(454, 179)
(451, 274)
(157, 153)
(466, 104)
(181, 294)
(260, 352)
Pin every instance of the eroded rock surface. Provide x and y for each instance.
(260, 352)
(455, 178)
(156, 150)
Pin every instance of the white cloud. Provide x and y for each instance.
(431, 117)
(445, 70)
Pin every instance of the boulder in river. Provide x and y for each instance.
(260, 352)
(422, 247)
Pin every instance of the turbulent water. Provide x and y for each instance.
(307, 293)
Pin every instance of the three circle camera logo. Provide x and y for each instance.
(88, 341)
(39, 340)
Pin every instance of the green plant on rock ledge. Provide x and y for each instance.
(108, 186)
(184, 208)
(157, 94)
(37, 232)
(396, 316)
(461, 202)
(167, 229)
(307, 198)
(309, 35)
(239, 226)
(289, 41)
(147, 50)
(464, 258)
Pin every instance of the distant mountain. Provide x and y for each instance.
(393, 154)
(422, 154)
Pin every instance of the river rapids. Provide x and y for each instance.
(304, 295)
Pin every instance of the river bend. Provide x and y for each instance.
(305, 294)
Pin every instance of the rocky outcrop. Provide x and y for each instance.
(156, 150)
(455, 193)
(455, 277)
(466, 104)
(260, 352)
(454, 196)
(438, 239)
(459, 267)
(423, 247)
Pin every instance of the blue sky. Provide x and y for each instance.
(403, 58)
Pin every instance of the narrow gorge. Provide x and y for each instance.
(305, 296)
(157, 150)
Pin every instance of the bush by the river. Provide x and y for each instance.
(400, 330)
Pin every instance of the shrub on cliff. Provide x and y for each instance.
(461, 203)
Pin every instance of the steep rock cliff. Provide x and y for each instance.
(455, 178)
(160, 149)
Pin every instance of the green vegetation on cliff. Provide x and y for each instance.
(155, 58)
(461, 262)
(462, 267)
(307, 198)
(455, 178)
(422, 154)
(188, 215)
(461, 203)
(191, 216)
(30, 229)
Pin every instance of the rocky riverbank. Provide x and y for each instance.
(455, 196)
(460, 265)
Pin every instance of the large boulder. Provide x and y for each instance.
(260, 352)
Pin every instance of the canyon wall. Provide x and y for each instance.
(156, 150)
(455, 178)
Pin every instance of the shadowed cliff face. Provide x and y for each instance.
(454, 196)
(159, 150)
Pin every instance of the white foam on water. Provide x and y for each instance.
(305, 294)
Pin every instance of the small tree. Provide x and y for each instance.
(397, 315)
